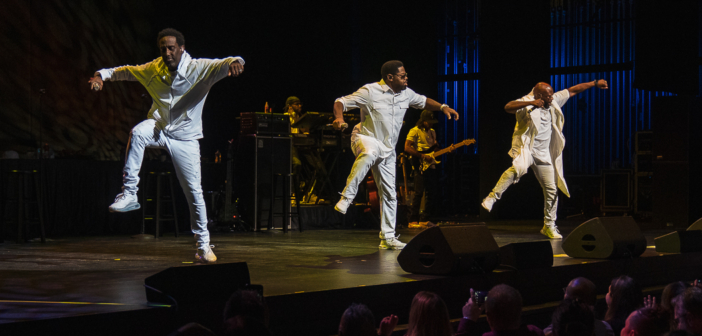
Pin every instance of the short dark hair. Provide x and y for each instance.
(504, 308)
(390, 68)
(247, 303)
(243, 326)
(180, 40)
(573, 318)
(692, 301)
(582, 289)
(357, 320)
(648, 322)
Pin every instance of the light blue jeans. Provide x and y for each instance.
(368, 156)
(186, 160)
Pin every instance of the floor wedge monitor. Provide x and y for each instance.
(527, 255)
(197, 283)
(697, 225)
(680, 241)
(605, 238)
(458, 249)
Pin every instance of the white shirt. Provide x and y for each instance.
(542, 140)
(178, 97)
(526, 131)
(541, 117)
(382, 111)
(422, 140)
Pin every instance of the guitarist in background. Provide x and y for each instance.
(422, 139)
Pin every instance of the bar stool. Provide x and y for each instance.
(23, 198)
(158, 201)
(285, 200)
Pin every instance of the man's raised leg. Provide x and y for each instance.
(506, 180)
(143, 135)
(365, 158)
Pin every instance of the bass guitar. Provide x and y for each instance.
(434, 155)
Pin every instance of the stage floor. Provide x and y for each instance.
(84, 275)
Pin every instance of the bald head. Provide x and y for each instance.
(504, 308)
(581, 289)
(542, 87)
(543, 91)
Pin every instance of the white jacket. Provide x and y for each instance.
(177, 100)
(525, 132)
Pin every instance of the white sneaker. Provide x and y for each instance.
(391, 243)
(342, 205)
(205, 254)
(125, 202)
(488, 202)
(551, 231)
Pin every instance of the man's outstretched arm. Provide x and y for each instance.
(516, 105)
(599, 83)
(123, 73)
(433, 105)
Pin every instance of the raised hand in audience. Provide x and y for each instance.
(471, 310)
(649, 302)
(387, 325)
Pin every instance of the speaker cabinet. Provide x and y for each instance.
(199, 283)
(260, 160)
(676, 158)
(680, 242)
(451, 250)
(616, 189)
(527, 255)
(605, 238)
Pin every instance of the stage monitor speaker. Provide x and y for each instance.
(451, 250)
(697, 225)
(199, 283)
(680, 242)
(527, 255)
(605, 238)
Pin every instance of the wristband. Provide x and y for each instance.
(442, 107)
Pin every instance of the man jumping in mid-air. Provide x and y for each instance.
(383, 106)
(178, 85)
(538, 143)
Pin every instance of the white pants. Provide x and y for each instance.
(547, 178)
(186, 160)
(369, 156)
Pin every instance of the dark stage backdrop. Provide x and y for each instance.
(315, 50)
(54, 46)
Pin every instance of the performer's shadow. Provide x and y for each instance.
(379, 262)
